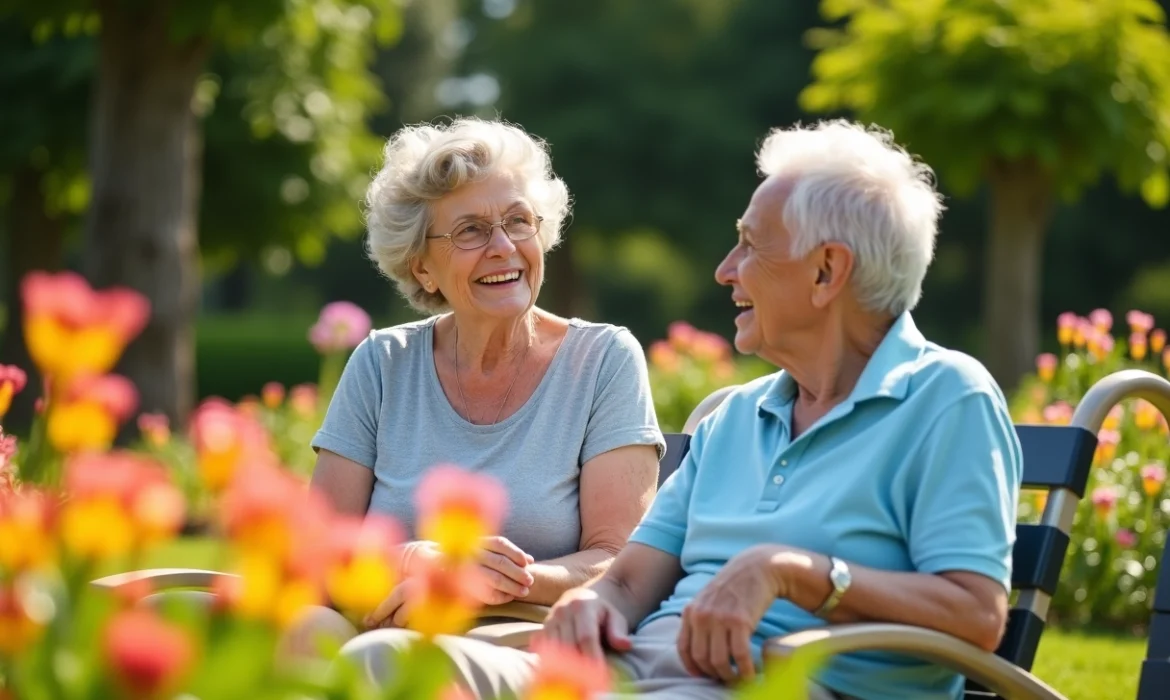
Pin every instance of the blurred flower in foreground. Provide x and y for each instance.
(148, 655)
(12, 382)
(72, 330)
(1113, 418)
(457, 508)
(362, 572)
(21, 622)
(155, 429)
(7, 468)
(1106, 445)
(226, 439)
(341, 326)
(1157, 341)
(443, 599)
(563, 673)
(1145, 415)
(1138, 346)
(26, 525)
(1101, 319)
(87, 415)
(118, 502)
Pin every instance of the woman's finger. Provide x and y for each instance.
(504, 584)
(504, 565)
(504, 546)
(388, 606)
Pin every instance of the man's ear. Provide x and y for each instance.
(834, 263)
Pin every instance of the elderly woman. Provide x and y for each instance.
(873, 478)
(558, 410)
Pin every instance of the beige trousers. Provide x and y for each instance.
(653, 667)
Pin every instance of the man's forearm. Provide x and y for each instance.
(613, 591)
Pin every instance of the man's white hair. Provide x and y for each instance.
(854, 185)
(423, 163)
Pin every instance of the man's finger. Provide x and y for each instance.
(741, 651)
(587, 628)
(684, 645)
(719, 654)
(617, 630)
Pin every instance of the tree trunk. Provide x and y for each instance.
(1021, 207)
(36, 241)
(145, 161)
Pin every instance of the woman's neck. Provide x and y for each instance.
(485, 346)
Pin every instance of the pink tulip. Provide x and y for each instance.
(1126, 538)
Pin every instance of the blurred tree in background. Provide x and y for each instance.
(1036, 99)
(145, 154)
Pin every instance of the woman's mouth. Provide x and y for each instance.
(502, 279)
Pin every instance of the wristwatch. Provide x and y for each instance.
(841, 579)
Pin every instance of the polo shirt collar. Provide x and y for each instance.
(887, 374)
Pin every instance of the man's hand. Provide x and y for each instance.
(717, 625)
(581, 620)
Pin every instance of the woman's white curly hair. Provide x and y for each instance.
(424, 162)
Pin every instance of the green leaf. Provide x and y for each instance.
(786, 678)
(1156, 189)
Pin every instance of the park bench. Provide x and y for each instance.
(1057, 459)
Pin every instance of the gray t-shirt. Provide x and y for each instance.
(390, 414)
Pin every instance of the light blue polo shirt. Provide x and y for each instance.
(917, 470)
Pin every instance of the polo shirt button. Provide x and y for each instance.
(783, 463)
(777, 480)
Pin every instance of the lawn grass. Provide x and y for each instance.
(1090, 666)
(1082, 666)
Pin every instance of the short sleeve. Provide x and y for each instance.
(623, 410)
(350, 428)
(664, 527)
(963, 491)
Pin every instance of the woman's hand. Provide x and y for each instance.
(502, 564)
(505, 568)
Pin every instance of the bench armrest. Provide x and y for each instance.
(163, 579)
(985, 668)
(517, 610)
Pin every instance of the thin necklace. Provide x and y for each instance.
(459, 381)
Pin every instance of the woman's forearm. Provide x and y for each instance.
(553, 577)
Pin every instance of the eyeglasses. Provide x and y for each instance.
(470, 235)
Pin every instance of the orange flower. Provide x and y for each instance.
(118, 502)
(1081, 332)
(12, 382)
(272, 395)
(1138, 346)
(1101, 319)
(457, 508)
(303, 399)
(1104, 499)
(681, 335)
(20, 624)
(148, 655)
(1113, 418)
(26, 523)
(1166, 359)
(1041, 501)
(1157, 341)
(362, 572)
(1046, 366)
(226, 439)
(443, 599)
(1145, 415)
(72, 330)
(1066, 325)
(1106, 445)
(1058, 413)
(1153, 476)
(663, 356)
(155, 429)
(89, 412)
(563, 673)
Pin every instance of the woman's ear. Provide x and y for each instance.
(418, 268)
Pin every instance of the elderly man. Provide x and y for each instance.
(874, 478)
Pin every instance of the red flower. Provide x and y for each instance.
(148, 655)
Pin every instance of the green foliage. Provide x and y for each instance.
(289, 150)
(236, 355)
(1079, 86)
(1118, 537)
